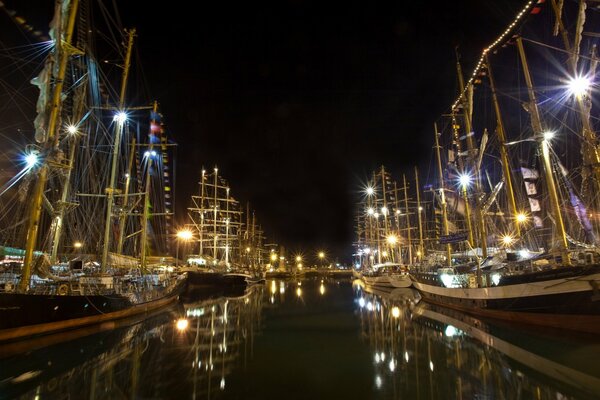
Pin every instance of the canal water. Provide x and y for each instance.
(310, 339)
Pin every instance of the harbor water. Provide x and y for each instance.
(320, 338)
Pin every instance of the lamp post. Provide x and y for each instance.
(321, 257)
(184, 235)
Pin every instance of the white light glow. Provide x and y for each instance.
(369, 190)
(465, 180)
(370, 211)
(548, 135)
(31, 160)
(120, 117)
(72, 129)
(450, 331)
(361, 302)
(395, 312)
(579, 85)
(496, 279)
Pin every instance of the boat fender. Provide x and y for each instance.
(63, 289)
(9, 286)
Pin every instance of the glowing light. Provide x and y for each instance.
(418, 253)
(273, 257)
(78, 245)
(153, 153)
(182, 324)
(369, 190)
(507, 240)
(247, 249)
(322, 289)
(496, 279)
(370, 211)
(72, 129)
(392, 365)
(395, 312)
(384, 253)
(146, 154)
(431, 365)
(299, 292)
(447, 279)
(273, 287)
(222, 385)
(366, 250)
(524, 253)
(361, 302)
(370, 306)
(31, 160)
(378, 382)
(579, 85)
(298, 258)
(120, 117)
(450, 331)
(384, 210)
(376, 215)
(465, 180)
(521, 217)
(377, 360)
(321, 255)
(392, 239)
(185, 234)
(548, 135)
(406, 357)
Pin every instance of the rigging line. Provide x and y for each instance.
(571, 53)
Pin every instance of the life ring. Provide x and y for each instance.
(9, 286)
(63, 289)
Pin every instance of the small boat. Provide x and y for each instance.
(389, 274)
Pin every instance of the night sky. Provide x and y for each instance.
(298, 101)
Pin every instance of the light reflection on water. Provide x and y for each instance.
(298, 339)
(424, 351)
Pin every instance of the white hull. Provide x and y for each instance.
(401, 281)
(381, 281)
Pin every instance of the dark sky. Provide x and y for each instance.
(297, 101)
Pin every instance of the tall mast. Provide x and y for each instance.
(227, 227)
(124, 211)
(510, 194)
(442, 195)
(463, 191)
(50, 145)
(408, 227)
(471, 147)
(215, 217)
(146, 212)
(419, 218)
(120, 122)
(202, 177)
(536, 124)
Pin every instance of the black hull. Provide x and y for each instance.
(26, 315)
(564, 298)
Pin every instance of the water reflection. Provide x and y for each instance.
(186, 351)
(423, 352)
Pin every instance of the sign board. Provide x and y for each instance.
(454, 238)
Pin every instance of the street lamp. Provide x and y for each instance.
(184, 235)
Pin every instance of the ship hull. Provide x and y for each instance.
(567, 299)
(380, 281)
(201, 278)
(27, 315)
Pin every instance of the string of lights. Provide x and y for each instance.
(499, 41)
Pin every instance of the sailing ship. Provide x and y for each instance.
(385, 245)
(78, 187)
(230, 251)
(529, 256)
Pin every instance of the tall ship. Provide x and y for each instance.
(228, 244)
(514, 196)
(78, 217)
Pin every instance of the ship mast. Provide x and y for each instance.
(63, 50)
(421, 253)
(503, 152)
(120, 119)
(471, 147)
(408, 227)
(536, 124)
(146, 212)
(442, 195)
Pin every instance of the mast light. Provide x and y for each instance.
(465, 180)
(120, 117)
(579, 85)
(31, 160)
